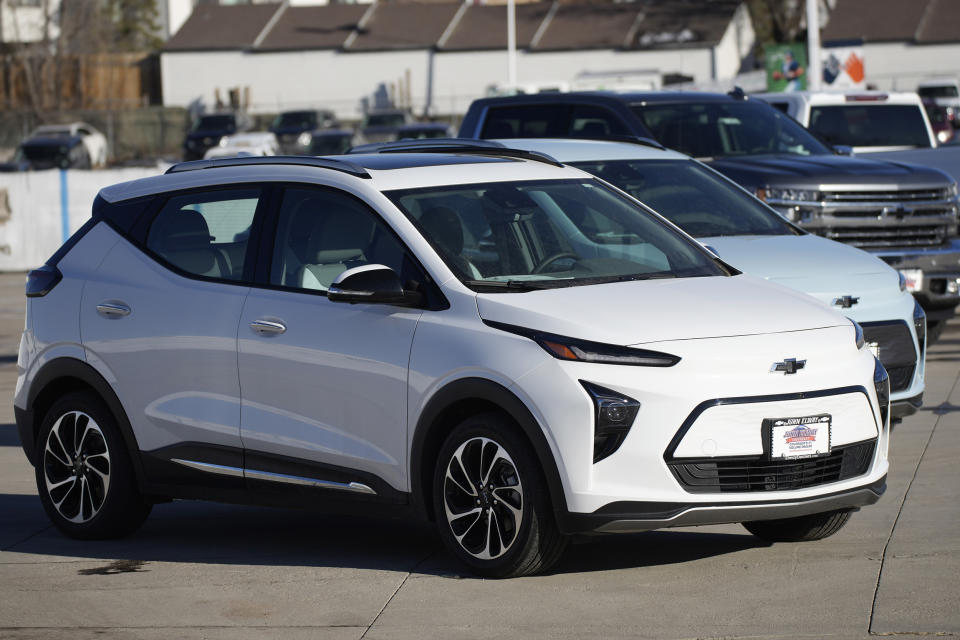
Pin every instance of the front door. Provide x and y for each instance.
(324, 384)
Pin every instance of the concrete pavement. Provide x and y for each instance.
(203, 570)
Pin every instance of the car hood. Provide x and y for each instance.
(809, 263)
(824, 170)
(644, 311)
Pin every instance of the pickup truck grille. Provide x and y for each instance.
(908, 218)
(876, 237)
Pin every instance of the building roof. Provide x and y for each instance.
(313, 27)
(590, 26)
(921, 21)
(213, 26)
(485, 27)
(684, 23)
(452, 25)
(403, 25)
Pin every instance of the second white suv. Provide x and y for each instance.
(486, 338)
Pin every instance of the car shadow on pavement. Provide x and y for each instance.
(205, 532)
(8, 435)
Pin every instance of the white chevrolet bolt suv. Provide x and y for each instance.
(509, 347)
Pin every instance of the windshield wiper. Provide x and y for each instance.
(511, 285)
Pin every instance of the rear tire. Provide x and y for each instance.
(84, 474)
(802, 529)
(491, 501)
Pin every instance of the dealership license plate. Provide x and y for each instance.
(803, 437)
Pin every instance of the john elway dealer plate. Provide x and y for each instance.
(803, 437)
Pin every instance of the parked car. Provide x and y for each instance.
(94, 141)
(904, 214)
(940, 121)
(58, 152)
(946, 93)
(381, 125)
(293, 128)
(208, 130)
(421, 130)
(748, 234)
(330, 142)
(247, 144)
(865, 121)
(378, 367)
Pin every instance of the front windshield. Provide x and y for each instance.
(691, 196)
(552, 233)
(943, 91)
(305, 120)
(718, 129)
(214, 123)
(874, 125)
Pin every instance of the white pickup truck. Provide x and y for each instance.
(866, 121)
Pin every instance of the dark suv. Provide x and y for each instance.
(905, 214)
(207, 131)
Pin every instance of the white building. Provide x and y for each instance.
(904, 41)
(25, 21)
(446, 54)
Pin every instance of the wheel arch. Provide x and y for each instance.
(61, 376)
(456, 401)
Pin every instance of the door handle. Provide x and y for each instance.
(268, 327)
(113, 309)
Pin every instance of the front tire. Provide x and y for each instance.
(802, 529)
(84, 474)
(491, 502)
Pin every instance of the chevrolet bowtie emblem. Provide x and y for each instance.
(845, 302)
(788, 366)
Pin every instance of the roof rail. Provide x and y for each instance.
(467, 146)
(245, 161)
(615, 137)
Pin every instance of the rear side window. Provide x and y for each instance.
(206, 233)
(552, 121)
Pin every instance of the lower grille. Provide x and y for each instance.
(896, 350)
(745, 475)
(889, 236)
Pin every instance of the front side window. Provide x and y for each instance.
(206, 233)
(878, 125)
(551, 233)
(322, 232)
(691, 196)
(718, 129)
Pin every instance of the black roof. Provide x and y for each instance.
(599, 97)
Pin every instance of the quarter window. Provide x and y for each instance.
(207, 233)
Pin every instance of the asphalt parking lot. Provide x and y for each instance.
(201, 570)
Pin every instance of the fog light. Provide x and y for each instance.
(953, 285)
(613, 416)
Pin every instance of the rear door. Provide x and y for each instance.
(160, 316)
(325, 383)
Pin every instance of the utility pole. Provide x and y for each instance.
(512, 43)
(814, 71)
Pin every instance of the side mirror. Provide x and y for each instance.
(372, 284)
(843, 150)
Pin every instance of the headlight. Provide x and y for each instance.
(919, 323)
(789, 195)
(613, 416)
(952, 189)
(564, 348)
(858, 335)
(223, 141)
(881, 384)
(903, 281)
(304, 139)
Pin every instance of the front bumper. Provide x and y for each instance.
(630, 517)
(939, 287)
